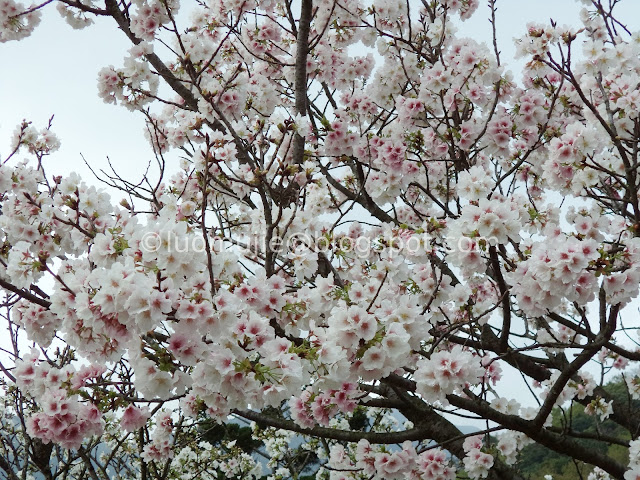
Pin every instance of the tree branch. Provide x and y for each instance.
(306, 12)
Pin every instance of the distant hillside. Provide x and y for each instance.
(536, 461)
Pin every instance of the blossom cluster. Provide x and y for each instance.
(446, 372)
(65, 419)
(405, 463)
(476, 462)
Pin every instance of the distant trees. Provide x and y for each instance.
(604, 436)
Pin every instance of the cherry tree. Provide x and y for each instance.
(354, 238)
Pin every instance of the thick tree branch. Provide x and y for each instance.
(556, 442)
(302, 51)
(504, 292)
(25, 294)
(389, 438)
